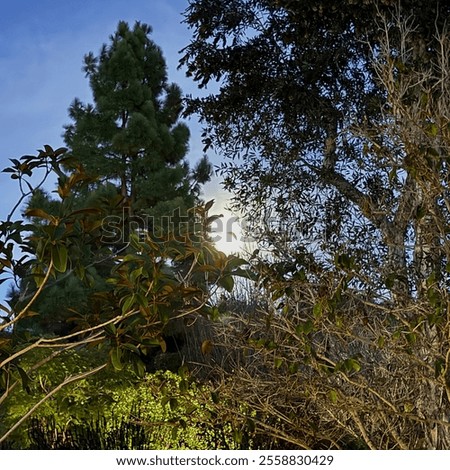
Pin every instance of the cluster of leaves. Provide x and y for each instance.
(311, 130)
(145, 290)
(335, 122)
(168, 411)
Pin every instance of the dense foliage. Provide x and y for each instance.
(334, 124)
(132, 148)
(113, 410)
(125, 322)
(131, 135)
(338, 112)
(87, 271)
(335, 121)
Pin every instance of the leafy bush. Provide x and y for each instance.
(114, 410)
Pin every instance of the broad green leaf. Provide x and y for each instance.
(128, 302)
(183, 386)
(190, 408)
(116, 358)
(174, 433)
(110, 329)
(24, 378)
(227, 282)
(308, 327)
(59, 258)
(131, 347)
(234, 262)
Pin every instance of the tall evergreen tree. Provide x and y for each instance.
(131, 142)
(131, 134)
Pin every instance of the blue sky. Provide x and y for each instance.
(42, 44)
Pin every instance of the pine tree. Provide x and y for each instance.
(131, 134)
(131, 142)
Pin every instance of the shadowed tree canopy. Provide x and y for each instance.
(307, 92)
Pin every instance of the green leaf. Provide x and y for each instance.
(214, 313)
(215, 397)
(116, 355)
(128, 302)
(278, 361)
(390, 280)
(354, 365)
(131, 347)
(182, 423)
(24, 378)
(317, 310)
(59, 258)
(308, 327)
(227, 282)
(165, 400)
(183, 371)
(433, 129)
(174, 433)
(333, 396)
(411, 337)
(183, 386)
(139, 367)
(237, 436)
(135, 274)
(234, 262)
(110, 329)
(251, 426)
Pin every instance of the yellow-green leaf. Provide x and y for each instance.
(40, 213)
(333, 396)
(116, 356)
(163, 345)
(278, 361)
(59, 258)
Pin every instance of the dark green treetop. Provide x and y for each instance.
(131, 134)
